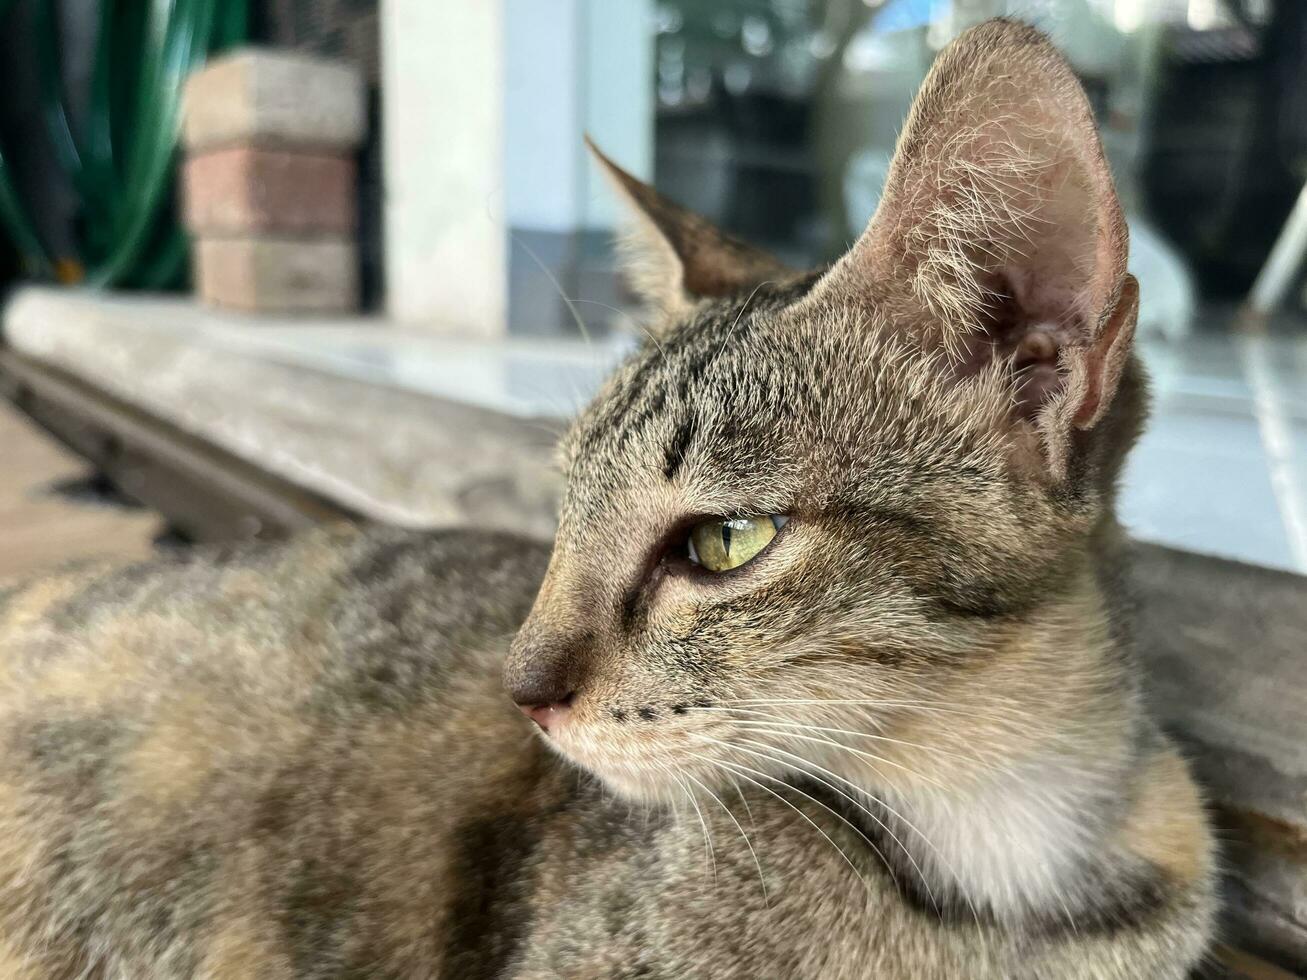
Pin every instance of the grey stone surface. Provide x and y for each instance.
(391, 454)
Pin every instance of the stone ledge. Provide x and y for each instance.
(389, 453)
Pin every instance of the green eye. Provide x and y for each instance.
(725, 543)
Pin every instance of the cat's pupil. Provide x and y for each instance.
(726, 538)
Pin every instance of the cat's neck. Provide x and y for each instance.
(1021, 843)
(1011, 812)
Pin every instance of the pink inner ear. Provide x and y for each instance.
(1027, 328)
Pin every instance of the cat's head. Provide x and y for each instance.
(863, 500)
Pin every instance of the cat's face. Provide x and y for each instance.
(912, 451)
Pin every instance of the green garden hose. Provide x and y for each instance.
(14, 216)
(122, 165)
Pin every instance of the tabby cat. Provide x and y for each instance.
(829, 675)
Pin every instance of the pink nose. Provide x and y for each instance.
(548, 716)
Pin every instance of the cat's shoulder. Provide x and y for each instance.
(318, 604)
(463, 570)
(341, 623)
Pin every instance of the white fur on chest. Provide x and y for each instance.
(1012, 844)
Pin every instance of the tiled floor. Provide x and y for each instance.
(40, 529)
(1222, 468)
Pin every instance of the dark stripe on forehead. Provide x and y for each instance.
(678, 363)
(680, 445)
(628, 393)
(685, 361)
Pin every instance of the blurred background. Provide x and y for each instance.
(277, 260)
(270, 263)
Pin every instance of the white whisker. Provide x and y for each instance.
(707, 834)
(908, 854)
(773, 725)
(758, 864)
(735, 768)
(740, 316)
(868, 756)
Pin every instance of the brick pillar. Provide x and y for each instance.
(269, 181)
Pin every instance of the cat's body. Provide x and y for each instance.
(299, 762)
(903, 735)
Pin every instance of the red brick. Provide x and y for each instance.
(244, 189)
(277, 275)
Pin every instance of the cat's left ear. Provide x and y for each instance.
(999, 241)
(673, 257)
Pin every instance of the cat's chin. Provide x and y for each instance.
(647, 777)
(642, 784)
(636, 787)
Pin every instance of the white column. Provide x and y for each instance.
(443, 113)
(485, 103)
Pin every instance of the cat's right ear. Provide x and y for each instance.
(673, 257)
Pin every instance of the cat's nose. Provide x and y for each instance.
(542, 681)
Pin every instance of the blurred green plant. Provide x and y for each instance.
(122, 162)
